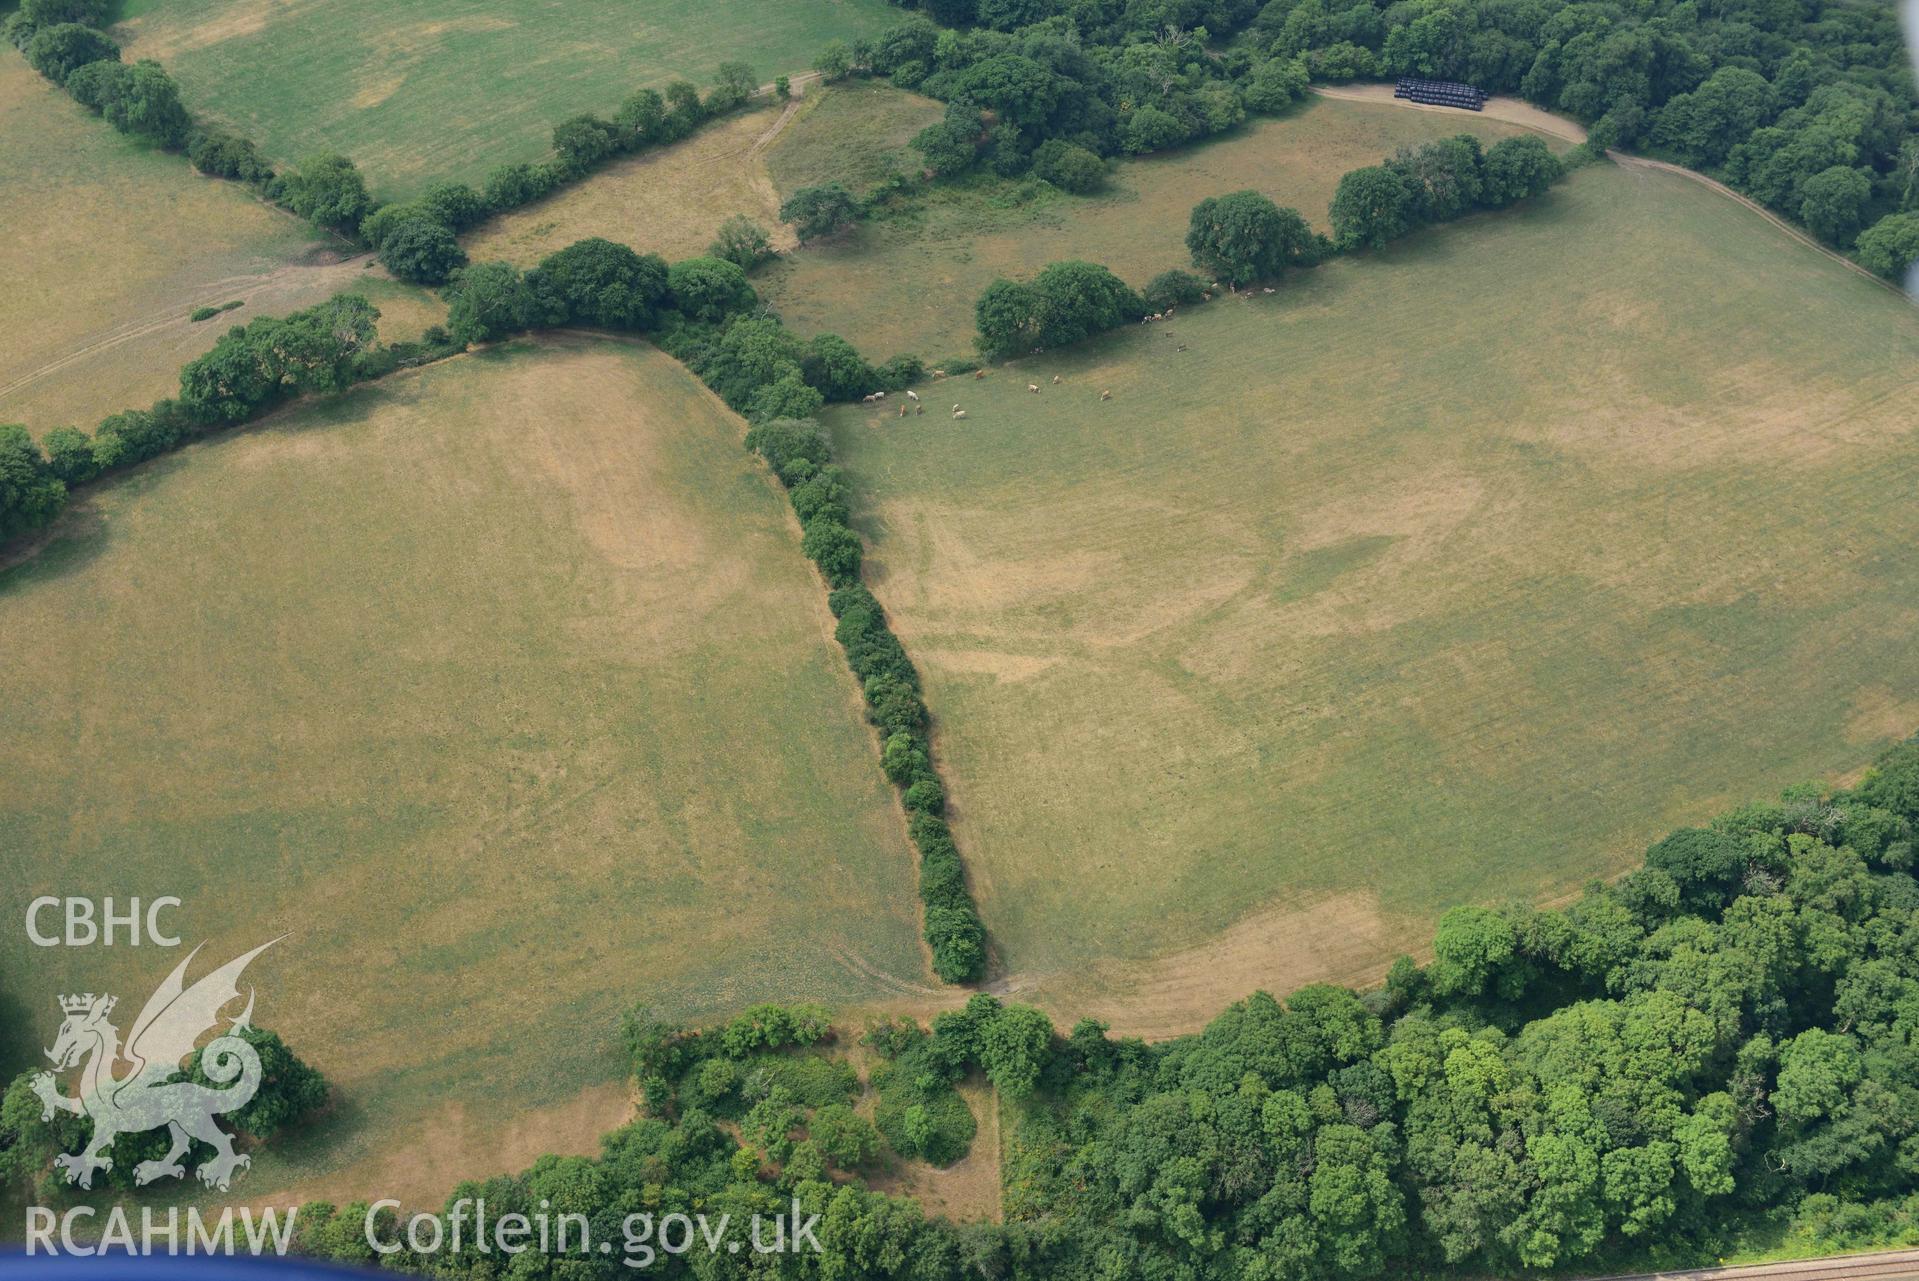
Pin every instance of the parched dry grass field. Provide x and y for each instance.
(1448, 574)
(109, 246)
(447, 89)
(909, 284)
(503, 690)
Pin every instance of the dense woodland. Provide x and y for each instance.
(1731, 1030)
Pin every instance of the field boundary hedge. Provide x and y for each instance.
(1244, 238)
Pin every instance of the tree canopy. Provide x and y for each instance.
(1245, 236)
(819, 211)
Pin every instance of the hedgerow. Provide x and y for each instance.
(1244, 237)
(251, 370)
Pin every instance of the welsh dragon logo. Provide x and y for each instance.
(143, 1098)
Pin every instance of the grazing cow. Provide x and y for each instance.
(1205, 297)
(902, 409)
(939, 373)
(1055, 380)
(978, 374)
(1033, 387)
(919, 409)
(959, 413)
(1180, 347)
(912, 395)
(1268, 289)
(1106, 395)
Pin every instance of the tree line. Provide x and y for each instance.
(1724, 1041)
(1244, 237)
(418, 240)
(251, 370)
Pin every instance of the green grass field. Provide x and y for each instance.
(110, 246)
(447, 89)
(1452, 573)
(909, 284)
(503, 689)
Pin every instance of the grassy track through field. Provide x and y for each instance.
(447, 89)
(1445, 574)
(502, 687)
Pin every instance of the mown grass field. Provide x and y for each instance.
(1454, 573)
(109, 246)
(504, 691)
(447, 89)
(908, 284)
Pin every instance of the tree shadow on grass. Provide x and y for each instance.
(77, 538)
